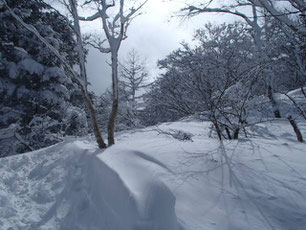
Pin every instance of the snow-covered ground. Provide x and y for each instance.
(151, 180)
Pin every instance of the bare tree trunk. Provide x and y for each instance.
(245, 132)
(94, 122)
(111, 123)
(296, 129)
(303, 91)
(83, 74)
(228, 133)
(236, 134)
(301, 111)
(113, 114)
(114, 26)
(276, 111)
(218, 130)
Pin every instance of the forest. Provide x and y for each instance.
(233, 79)
(233, 74)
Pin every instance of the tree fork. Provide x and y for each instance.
(94, 122)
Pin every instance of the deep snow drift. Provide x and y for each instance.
(68, 187)
(151, 180)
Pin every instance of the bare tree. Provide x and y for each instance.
(115, 26)
(291, 15)
(75, 77)
(292, 8)
(80, 49)
(237, 8)
(133, 75)
(287, 12)
(216, 77)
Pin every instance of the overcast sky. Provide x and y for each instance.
(154, 34)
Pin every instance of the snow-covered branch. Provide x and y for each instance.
(97, 43)
(33, 30)
(90, 18)
(193, 10)
(281, 16)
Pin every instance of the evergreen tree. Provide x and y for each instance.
(38, 101)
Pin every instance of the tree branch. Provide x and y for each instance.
(90, 18)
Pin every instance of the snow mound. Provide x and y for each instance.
(68, 187)
(255, 183)
(153, 202)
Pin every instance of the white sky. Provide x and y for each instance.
(154, 34)
(151, 34)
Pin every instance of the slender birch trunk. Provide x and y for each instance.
(83, 74)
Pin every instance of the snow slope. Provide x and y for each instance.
(153, 179)
(67, 187)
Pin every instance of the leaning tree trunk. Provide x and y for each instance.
(228, 133)
(83, 74)
(113, 114)
(296, 129)
(94, 122)
(218, 130)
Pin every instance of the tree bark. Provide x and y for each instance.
(296, 129)
(228, 133)
(236, 134)
(94, 122)
(301, 111)
(111, 123)
(83, 74)
(302, 89)
(218, 130)
(115, 91)
(115, 27)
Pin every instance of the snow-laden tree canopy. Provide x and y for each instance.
(39, 102)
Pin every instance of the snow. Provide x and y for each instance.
(21, 53)
(31, 66)
(49, 96)
(151, 180)
(8, 132)
(12, 70)
(286, 105)
(62, 90)
(9, 88)
(21, 91)
(68, 187)
(76, 117)
(154, 201)
(54, 72)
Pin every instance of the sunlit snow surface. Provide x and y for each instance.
(152, 181)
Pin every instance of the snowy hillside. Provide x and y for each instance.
(168, 177)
